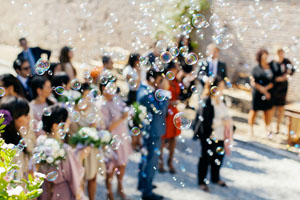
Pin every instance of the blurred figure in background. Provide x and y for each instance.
(11, 85)
(32, 54)
(22, 68)
(282, 70)
(263, 82)
(215, 67)
(65, 59)
(171, 131)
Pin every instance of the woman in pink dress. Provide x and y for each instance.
(115, 121)
(67, 185)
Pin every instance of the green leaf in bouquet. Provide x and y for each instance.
(34, 194)
(2, 120)
(2, 126)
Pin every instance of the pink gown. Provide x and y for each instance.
(111, 112)
(68, 182)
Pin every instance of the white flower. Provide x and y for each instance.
(62, 152)
(39, 175)
(2, 170)
(50, 160)
(105, 136)
(15, 191)
(141, 116)
(41, 139)
(57, 162)
(8, 146)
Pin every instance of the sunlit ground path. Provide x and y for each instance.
(250, 172)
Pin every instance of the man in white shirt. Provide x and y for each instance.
(215, 67)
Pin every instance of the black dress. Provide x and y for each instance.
(280, 88)
(264, 78)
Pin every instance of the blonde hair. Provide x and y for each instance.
(210, 48)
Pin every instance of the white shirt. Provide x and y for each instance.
(23, 81)
(213, 64)
(221, 113)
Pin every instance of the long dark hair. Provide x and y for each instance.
(39, 82)
(17, 107)
(133, 58)
(64, 58)
(60, 79)
(58, 115)
(8, 80)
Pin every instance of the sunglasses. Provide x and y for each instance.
(26, 68)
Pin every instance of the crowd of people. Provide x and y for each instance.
(35, 106)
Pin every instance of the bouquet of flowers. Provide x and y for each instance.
(88, 136)
(48, 150)
(11, 184)
(139, 114)
(70, 96)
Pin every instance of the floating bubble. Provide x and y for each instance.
(181, 121)
(50, 72)
(166, 57)
(132, 83)
(82, 104)
(75, 116)
(174, 51)
(198, 21)
(111, 88)
(161, 46)
(23, 130)
(143, 59)
(200, 34)
(115, 142)
(75, 84)
(220, 151)
(2, 91)
(18, 148)
(214, 91)
(160, 95)
(135, 131)
(170, 75)
(47, 111)
(91, 118)
(172, 45)
(59, 90)
(186, 29)
(184, 18)
(194, 89)
(23, 142)
(222, 40)
(52, 176)
(184, 51)
(39, 71)
(191, 59)
(43, 64)
(217, 162)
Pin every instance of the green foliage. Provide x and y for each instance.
(12, 187)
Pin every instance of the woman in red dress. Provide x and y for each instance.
(171, 130)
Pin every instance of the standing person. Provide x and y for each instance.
(263, 78)
(22, 68)
(215, 67)
(171, 131)
(32, 54)
(66, 55)
(282, 70)
(132, 74)
(41, 90)
(15, 111)
(67, 185)
(115, 117)
(11, 85)
(152, 140)
(213, 130)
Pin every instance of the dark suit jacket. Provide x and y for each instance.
(27, 92)
(221, 71)
(36, 52)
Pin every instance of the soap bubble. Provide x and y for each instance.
(36, 125)
(115, 142)
(52, 176)
(166, 57)
(181, 121)
(160, 95)
(111, 88)
(47, 111)
(214, 91)
(198, 21)
(161, 46)
(170, 75)
(184, 51)
(174, 51)
(23, 130)
(186, 29)
(75, 84)
(82, 104)
(2, 91)
(220, 151)
(59, 90)
(75, 116)
(135, 131)
(191, 59)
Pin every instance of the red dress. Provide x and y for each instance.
(171, 130)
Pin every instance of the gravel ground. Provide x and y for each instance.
(251, 173)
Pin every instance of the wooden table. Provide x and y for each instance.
(292, 112)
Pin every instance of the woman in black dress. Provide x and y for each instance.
(262, 82)
(282, 69)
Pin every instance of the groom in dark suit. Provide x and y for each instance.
(31, 54)
(215, 67)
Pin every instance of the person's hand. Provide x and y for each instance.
(268, 95)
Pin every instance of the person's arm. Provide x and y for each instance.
(116, 123)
